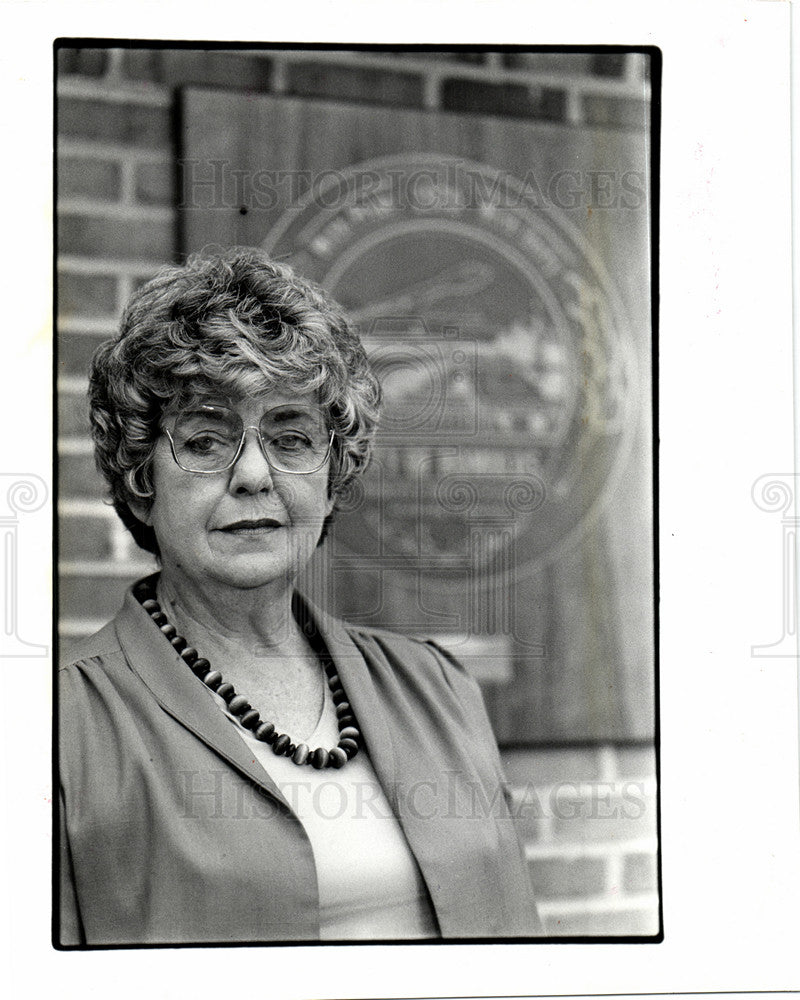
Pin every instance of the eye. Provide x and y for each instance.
(291, 441)
(205, 443)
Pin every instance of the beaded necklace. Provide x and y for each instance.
(350, 739)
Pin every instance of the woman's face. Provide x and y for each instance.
(246, 527)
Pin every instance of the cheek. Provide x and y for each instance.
(305, 499)
(181, 506)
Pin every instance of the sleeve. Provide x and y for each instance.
(468, 691)
(69, 923)
(469, 695)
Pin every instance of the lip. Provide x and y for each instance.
(255, 524)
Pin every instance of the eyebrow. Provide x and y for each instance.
(279, 412)
(290, 412)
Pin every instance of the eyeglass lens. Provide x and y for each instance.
(207, 437)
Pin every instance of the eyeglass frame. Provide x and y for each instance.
(237, 455)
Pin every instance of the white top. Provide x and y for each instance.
(370, 886)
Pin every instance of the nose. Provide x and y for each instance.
(251, 472)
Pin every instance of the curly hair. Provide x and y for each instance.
(234, 322)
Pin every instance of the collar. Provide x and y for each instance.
(182, 696)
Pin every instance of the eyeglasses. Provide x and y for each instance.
(209, 438)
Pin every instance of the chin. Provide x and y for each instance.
(254, 580)
(250, 573)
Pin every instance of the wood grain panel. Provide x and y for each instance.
(581, 656)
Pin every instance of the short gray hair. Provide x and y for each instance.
(235, 322)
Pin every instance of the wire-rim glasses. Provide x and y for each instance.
(208, 438)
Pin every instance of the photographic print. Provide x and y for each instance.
(356, 512)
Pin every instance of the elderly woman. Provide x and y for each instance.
(235, 764)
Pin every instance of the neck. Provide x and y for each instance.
(257, 646)
(258, 618)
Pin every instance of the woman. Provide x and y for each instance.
(235, 764)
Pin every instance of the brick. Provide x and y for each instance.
(73, 415)
(566, 63)
(77, 477)
(636, 762)
(81, 62)
(640, 873)
(625, 922)
(557, 878)
(111, 121)
(141, 279)
(615, 112)
(550, 766)
(74, 352)
(86, 294)
(84, 538)
(155, 183)
(91, 596)
(512, 100)
(178, 67)
(354, 83)
(610, 65)
(67, 643)
(143, 65)
(132, 239)
(84, 177)
(602, 815)
(466, 56)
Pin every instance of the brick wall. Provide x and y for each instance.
(590, 816)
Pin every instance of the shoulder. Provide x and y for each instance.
(91, 671)
(420, 662)
(421, 677)
(420, 651)
(104, 643)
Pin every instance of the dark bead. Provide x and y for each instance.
(239, 705)
(159, 618)
(347, 720)
(266, 732)
(337, 757)
(169, 630)
(319, 758)
(189, 654)
(179, 643)
(350, 747)
(226, 691)
(213, 679)
(300, 755)
(280, 744)
(343, 708)
(290, 750)
(151, 606)
(349, 733)
(250, 719)
(201, 666)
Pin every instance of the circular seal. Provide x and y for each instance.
(504, 352)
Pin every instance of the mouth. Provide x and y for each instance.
(245, 527)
